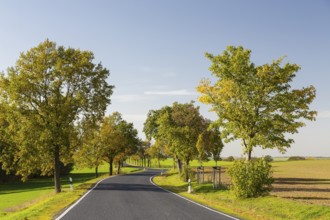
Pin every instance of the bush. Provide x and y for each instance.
(230, 158)
(251, 178)
(187, 173)
(296, 158)
(268, 158)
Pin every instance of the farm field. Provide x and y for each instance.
(301, 190)
(306, 181)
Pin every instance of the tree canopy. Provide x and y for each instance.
(177, 126)
(209, 144)
(118, 137)
(256, 104)
(51, 88)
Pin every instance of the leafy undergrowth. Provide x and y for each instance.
(41, 202)
(268, 207)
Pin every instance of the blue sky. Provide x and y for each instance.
(155, 49)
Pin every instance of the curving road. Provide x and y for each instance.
(133, 196)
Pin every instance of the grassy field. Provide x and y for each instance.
(35, 199)
(301, 191)
(307, 181)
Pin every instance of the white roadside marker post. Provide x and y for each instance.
(71, 186)
(189, 188)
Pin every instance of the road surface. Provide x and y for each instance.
(133, 196)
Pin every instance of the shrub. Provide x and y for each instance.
(296, 158)
(230, 158)
(251, 178)
(187, 173)
(268, 158)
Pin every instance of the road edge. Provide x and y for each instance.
(196, 203)
(80, 199)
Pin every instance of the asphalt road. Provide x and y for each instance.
(133, 196)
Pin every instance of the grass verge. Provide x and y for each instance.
(269, 207)
(36, 200)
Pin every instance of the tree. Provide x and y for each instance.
(142, 152)
(256, 103)
(157, 150)
(150, 126)
(112, 138)
(90, 151)
(130, 143)
(119, 138)
(7, 147)
(52, 88)
(209, 143)
(178, 127)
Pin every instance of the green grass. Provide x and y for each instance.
(35, 199)
(268, 207)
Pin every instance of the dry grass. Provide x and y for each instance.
(306, 181)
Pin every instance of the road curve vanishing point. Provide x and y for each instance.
(134, 196)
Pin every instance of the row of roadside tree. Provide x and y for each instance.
(53, 103)
(52, 114)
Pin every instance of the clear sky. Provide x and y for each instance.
(155, 49)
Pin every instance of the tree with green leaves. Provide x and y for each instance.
(209, 144)
(119, 139)
(157, 150)
(89, 152)
(112, 138)
(150, 126)
(256, 104)
(130, 143)
(178, 127)
(142, 152)
(51, 88)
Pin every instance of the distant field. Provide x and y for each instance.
(307, 181)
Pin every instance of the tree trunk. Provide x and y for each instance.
(248, 156)
(179, 165)
(118, 168)
(57, 169)
(248, 150)
(187, 170)
(111, 166)
(96, 171)
(158, 162)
